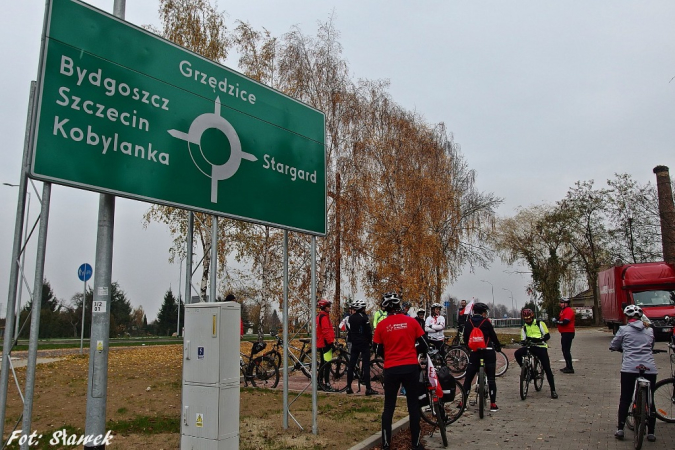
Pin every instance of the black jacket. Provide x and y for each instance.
(360, 331)
(487, 329)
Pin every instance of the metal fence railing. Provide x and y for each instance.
(506, 323)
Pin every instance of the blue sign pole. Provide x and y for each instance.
(84, 273)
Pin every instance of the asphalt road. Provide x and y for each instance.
(583, 418)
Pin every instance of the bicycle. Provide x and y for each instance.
(456, 356)
(664, 391)
(481, 387)
(640, 410)
(502, 364)
(531, 370)
(453, 403)
(303, 363)
(376, 368)
(260, 371)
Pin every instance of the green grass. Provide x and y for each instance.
(47, 344)
(145, 425)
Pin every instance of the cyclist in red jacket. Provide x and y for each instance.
(325, 341)
(565, 324)
(395, 338)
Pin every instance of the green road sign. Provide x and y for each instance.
(125, 112)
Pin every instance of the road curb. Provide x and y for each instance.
(376, 439)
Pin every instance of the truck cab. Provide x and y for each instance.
(651, 286)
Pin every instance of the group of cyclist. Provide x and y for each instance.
(399, 339)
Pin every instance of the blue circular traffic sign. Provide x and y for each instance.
(84, 272)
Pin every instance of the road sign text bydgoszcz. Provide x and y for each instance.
(125, 112)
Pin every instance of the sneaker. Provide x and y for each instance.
(494, 407)
(567, 370)
(371, 391)
(349, 391)
(619, 434)
(554, 394)
(651, 437)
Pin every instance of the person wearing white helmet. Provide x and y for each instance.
(636, 342)
(434, 326)
(360, 335)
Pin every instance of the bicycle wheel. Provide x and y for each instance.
(664, 400)
(440, 412)
(455, 408)
(481, 392)
(276, 357)
(377, 373)
(337, 375)
(640, 415)
(524, 379)
(427, 412)
(538, 375)
(502, 364)
(457, 360)
(266, 373)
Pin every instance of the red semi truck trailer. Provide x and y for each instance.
(651, 286)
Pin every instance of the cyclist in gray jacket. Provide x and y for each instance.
(636, 342)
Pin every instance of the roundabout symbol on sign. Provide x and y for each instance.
(193, 136)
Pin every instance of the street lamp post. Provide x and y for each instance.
(512, 305)
(493, 296)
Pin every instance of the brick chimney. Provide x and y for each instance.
(666, 212)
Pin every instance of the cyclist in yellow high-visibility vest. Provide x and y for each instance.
(537, 333)
(378, 317)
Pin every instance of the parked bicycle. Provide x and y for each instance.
(343, 355)
(456, 356)
(664, 391)
(532, 370)
(301, 359)
(451, 405)
(260, 371)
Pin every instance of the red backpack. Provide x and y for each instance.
(477, 338)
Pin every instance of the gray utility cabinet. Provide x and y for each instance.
(210, 416)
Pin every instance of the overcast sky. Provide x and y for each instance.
(538, 95)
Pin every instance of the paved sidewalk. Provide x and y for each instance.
(583, 418)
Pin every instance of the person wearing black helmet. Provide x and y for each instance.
(565, 324)
(479, 320)
(420, 317)
(395, 338)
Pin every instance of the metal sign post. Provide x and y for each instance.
(83, 273)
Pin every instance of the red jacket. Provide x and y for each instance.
(324, 330)
(566, 313)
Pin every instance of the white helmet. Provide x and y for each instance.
(358, 304)
(633, 311)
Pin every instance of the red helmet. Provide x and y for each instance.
(527, 313)
(324, 303)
